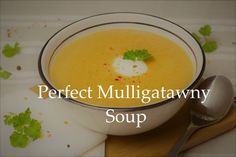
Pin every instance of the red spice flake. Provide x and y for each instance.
(18, 67)
(119, 78)
(133, 81)
(111, 48)
(105, 64)
(68, 146)
(135, 66)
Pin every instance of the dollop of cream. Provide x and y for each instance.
(128, 67)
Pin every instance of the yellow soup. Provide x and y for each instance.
(88, 61)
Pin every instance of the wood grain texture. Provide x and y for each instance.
(158, 142)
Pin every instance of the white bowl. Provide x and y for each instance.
(94, 117)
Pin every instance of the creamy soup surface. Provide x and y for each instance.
(87, 61)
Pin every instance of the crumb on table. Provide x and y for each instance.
(18, 67)
(35, 89)
(40, 113)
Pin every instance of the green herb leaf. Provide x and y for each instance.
(8, 119)
(205, 30)
(25, 128)
(19, 140)
(196, 37)
(10, 51)
(24, 117)
(209, 46)
(34, 130)
(5, 74)
(137, 55)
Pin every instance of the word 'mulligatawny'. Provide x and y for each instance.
(128, 92)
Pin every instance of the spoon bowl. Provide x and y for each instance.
(210, 111)
(216, 105)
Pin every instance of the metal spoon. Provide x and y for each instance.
(215, 107)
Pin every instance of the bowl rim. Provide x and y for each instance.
(134, 108)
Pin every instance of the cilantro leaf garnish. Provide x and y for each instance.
(10, 51)
(5, 74)
(208, 45)
(137, 55)
(34, 129)
(26, 129)
(205, 30)
(19, 140)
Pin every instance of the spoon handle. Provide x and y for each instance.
(181, 141)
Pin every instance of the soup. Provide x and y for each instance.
(97, 59)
